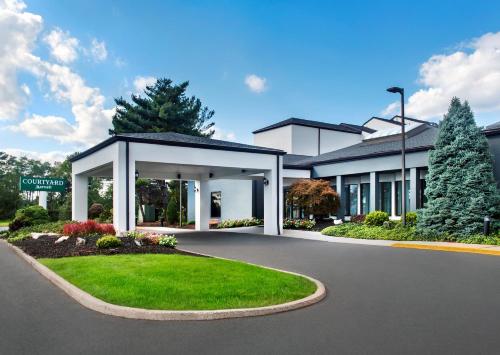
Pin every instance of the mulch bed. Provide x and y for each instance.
(44, 247)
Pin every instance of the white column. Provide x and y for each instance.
(414, 189)
(79, 196)
(119, 189)
(273, 200)
(42, 199)
(393, 198)
(191, 201)
(359, 199)
(202, 205)
(131, 196)
(374, 191)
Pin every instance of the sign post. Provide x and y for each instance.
(44, 185)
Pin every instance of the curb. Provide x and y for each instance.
(470, 250)
(95, 304)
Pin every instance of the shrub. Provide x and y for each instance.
(172, 210)
(376, 218)
(169, 241)
(234, 223)
(363, 231)
(4, 234)
(359, 218)
(106, 216)
(108, 241)
(95, 210)
(298, 224)
(29, 216)
(19, 237)
(135, 234)
(52, 227)
(146, 238)
(87, 228)
(411, 218)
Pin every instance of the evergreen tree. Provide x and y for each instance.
(461, 189)
(163, 108)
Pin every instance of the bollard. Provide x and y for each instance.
(486, 225)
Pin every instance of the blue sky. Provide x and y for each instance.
(327, 61)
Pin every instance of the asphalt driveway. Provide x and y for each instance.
(381, 300)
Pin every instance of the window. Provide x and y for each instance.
(351, 200)
(365, 198)
(386, 197)
(215, 202)
(423, 198)
(399, 206)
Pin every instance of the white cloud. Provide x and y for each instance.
(471, 73)
(51, 157)
(140, 83)
(255, 83)
(223, 135)
(92, 120)
(18, 33)
(392, 109)
(98, 50)
(63, 47)
(119, 62)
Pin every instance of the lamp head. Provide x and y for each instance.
(396, 89)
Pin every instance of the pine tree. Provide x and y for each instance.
(163, 108)
(461, 188)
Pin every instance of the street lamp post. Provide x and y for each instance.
(401, 91)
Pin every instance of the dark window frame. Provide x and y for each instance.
(215, 211)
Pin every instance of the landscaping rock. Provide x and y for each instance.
(137, 242)
(61, 239)
(38, 235)
(80, 241)
(337, 222)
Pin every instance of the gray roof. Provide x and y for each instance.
(495, 125)
(178, 139)
(422, 140)
(294, 158)
(383, 119)
(315, 124)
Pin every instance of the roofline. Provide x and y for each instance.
(430, 123)
(117, 138)
(383, 119)
(373, 155)
(297, 167)
(312, 125)
(488, 132)
(491, 131)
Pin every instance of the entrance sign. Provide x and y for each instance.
(30, 183)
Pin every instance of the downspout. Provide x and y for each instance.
(278, 187)
(319, 141)
(127, 187)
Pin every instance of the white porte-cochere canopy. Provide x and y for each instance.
(176, 156)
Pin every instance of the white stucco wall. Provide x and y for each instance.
(236, 197)
(379, 124)
(278, 138)
(333, 140)
(304, 140)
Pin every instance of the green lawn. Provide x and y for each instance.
(178, 282)
(4, 222)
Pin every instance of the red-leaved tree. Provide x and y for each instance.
(315, 196)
